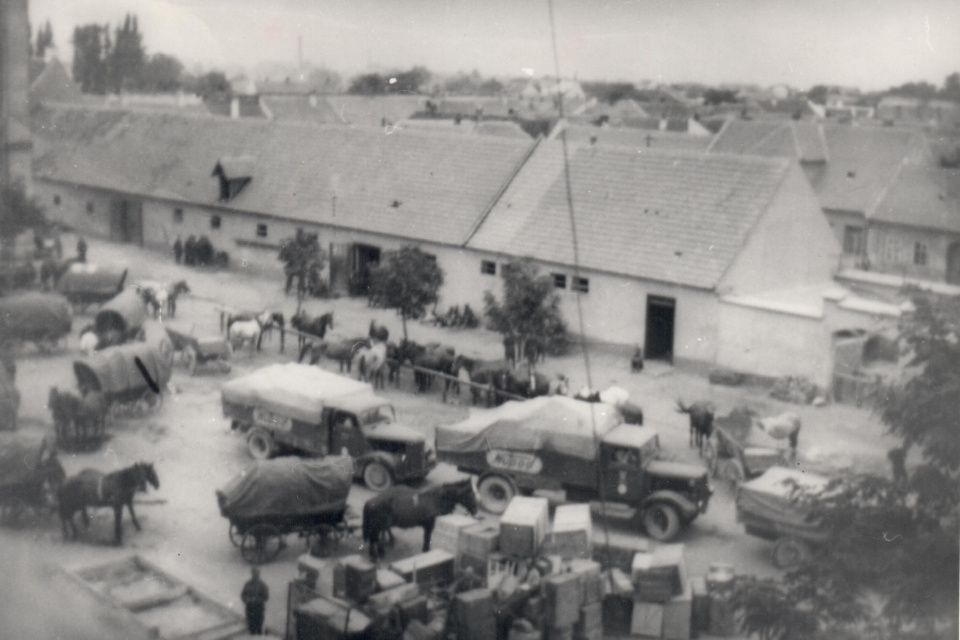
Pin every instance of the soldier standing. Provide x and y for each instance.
(255, 595)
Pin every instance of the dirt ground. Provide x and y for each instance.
(195, 453)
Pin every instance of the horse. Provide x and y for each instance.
(249, 328)
(701, 421)
(162, 296)
(786, 425)
(311, 326)
(51, 271)
(491, 373)
(87, 415)
(371, 362)
(378, 333)
(439, 358)
(532, 384)
(404, 507)
(94, 489)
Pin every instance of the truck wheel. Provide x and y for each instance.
(377, 476)
(496, 492)
(260, 444)
(661, 521)
(789, 553)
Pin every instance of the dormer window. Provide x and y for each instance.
(234, 172)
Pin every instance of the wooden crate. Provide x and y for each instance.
(619, 554)
(678, 616)
(562, 594)
(474, 615)
(572, 535)
(479, 539)
(434, 568)
(523, 526)
(647, 620)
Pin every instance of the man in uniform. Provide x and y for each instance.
(255, 595)
(82, 249)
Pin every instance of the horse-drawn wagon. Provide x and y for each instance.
(739, 449)
(194, 351)
(121, 318)
(30, 474)
(283, 496)
(131, 376)
(770, 507)
(84, 284)
(41, 318)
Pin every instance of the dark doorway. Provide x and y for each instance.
(659, 337)
(339, 268)
(365, 257)
(953, 263)
(126, 221)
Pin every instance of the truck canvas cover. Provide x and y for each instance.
(34, 314)
(551, 423)
(296, 391)
(769, 497)
(288, 487)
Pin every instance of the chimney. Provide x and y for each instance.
(235, 107)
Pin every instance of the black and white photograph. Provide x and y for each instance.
(480, 319)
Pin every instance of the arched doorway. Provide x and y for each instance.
(953, 263)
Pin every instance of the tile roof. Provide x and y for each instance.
(920, 196)
(637, 138)
(364, 111)
(300, 108)
(669, 216)
(857, 162)
(442, 183)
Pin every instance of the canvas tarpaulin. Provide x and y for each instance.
(288, 487)
(125, 313)
(34, 314)
(551, 423)
(292, 390)
(19, 459)
(116, 369)
(91, 279)
(771, 497)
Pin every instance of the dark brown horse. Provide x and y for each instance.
(405, 508)
(86, 415)
(91, 488)
(701, 421)
(314, 326)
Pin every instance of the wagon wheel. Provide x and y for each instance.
(789, 553)
(733, 474)
(235, 536)
(324, 541)
(190, 360)
(261, 543)
(711, 457)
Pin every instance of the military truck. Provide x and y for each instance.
(306, 410)
(581, 449)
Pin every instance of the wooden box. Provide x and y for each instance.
(523, 526)
(572, 535)
(617, 614)
(475, 618)
(387, 579)
(668, 558)
(647, 620)
(678, 616)
(591, 619)
(700, 614)
(354, 578)
(562, 594)
(477, 563)
(382, 602)
(434, 568)
(479, 539)
(447, 530)
(416, 630)
(591, 584)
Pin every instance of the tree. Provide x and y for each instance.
(895, 540)
(304, 261)
(161, 74)
(951, 87)
(818, 94)
(44, 40)
(18, 212)
(368, 84)
(921, 90)
(128, 56)
(410, 81)
(610, 92)
(530, 311)
(719, 96)
(209, 85)
(409, 281)
(91, 48)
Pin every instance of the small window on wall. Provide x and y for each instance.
(214, 222)
(178, 215)
(920, 254)
(488, 267)
(581, 285)
(261, 230)
(90, 207)
(559, 280)
(56, 200)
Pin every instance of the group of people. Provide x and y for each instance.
(195, 251)
(57, 245)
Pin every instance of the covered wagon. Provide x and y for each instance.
(84, 284)
(132, 375)
(30, 474)
(121, 317)
(41, 318)
(287, 495)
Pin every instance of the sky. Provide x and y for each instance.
(871, 44)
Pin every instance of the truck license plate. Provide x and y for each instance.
(514, 461)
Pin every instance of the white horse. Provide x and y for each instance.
(244, 332)
(784, 426)
(162, 296)
(371, 362)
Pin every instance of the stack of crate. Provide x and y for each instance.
(446, 532)
(663, 596)
(475, 544)
(523, 527)
(474, 615)
(572, 535)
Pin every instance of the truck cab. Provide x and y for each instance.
(302, 409)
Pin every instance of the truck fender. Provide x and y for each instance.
(684, 506)
(500, 474)
(380, 456)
